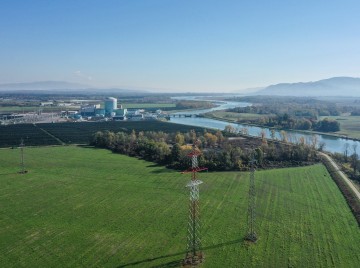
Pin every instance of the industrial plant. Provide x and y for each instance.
(112, 111)
(81, 110)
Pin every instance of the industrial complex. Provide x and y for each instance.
(111, 110)
(82, 110)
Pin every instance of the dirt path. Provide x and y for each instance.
(345, 178)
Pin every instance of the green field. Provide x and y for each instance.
(148, 105)
(85, 207)
(349, 125)
(21, 109)
(235, 117)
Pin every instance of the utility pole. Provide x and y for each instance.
(22, 164)
(194, 255)
(252, 236)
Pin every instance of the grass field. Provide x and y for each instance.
(85, 207)
(21, 109)
(235, 117)
(349, 125)
(148, 105)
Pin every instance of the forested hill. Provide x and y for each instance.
(336, 86)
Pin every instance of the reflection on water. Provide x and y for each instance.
(332, 144)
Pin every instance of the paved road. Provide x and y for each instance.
(346, 179)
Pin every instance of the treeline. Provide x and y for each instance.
(155, 98)
(293, 106)
(219, 153)
(186, 104)
(349, 160)
(300, 121)
(292, 113)
(287, 122)
(355, 113)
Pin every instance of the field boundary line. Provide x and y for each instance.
(51, 135)
(342, 174)
(349, 191)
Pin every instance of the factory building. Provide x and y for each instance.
(120, 115)
(89, 110)
(100, 112)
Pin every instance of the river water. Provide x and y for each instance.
(332, 144)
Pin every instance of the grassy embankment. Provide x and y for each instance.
(84, 207)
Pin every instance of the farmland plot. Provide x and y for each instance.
(85, 207)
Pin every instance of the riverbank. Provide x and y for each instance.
(235, 121)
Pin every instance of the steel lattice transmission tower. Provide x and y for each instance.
(194, 255)
(22, 164)
(251, 235)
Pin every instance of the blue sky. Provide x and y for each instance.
(179, 45)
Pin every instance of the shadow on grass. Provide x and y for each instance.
(177, 263)
(161, 168)
(11, 173)
(86, 146)
(155, 165)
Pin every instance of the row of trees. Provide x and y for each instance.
(188, 104)
(349, 161)
(218, 152)
(292, 113)
(295, 107)
(327, 125)
(289, 122)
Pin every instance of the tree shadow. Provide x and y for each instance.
(87, 146)
(162, 170)
(155, 165)
(11, 173)
(177, 263)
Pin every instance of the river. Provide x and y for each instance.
(332, 144)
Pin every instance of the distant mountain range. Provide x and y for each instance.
(61, 86)
(336, 86)
(43, 85)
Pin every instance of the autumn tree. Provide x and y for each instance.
(210, 139)
(179, 138)
(230, 129)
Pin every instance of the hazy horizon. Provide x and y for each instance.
(191, 46)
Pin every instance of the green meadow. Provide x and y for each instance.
(86, 207)
(349, 125)
(148, 105)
